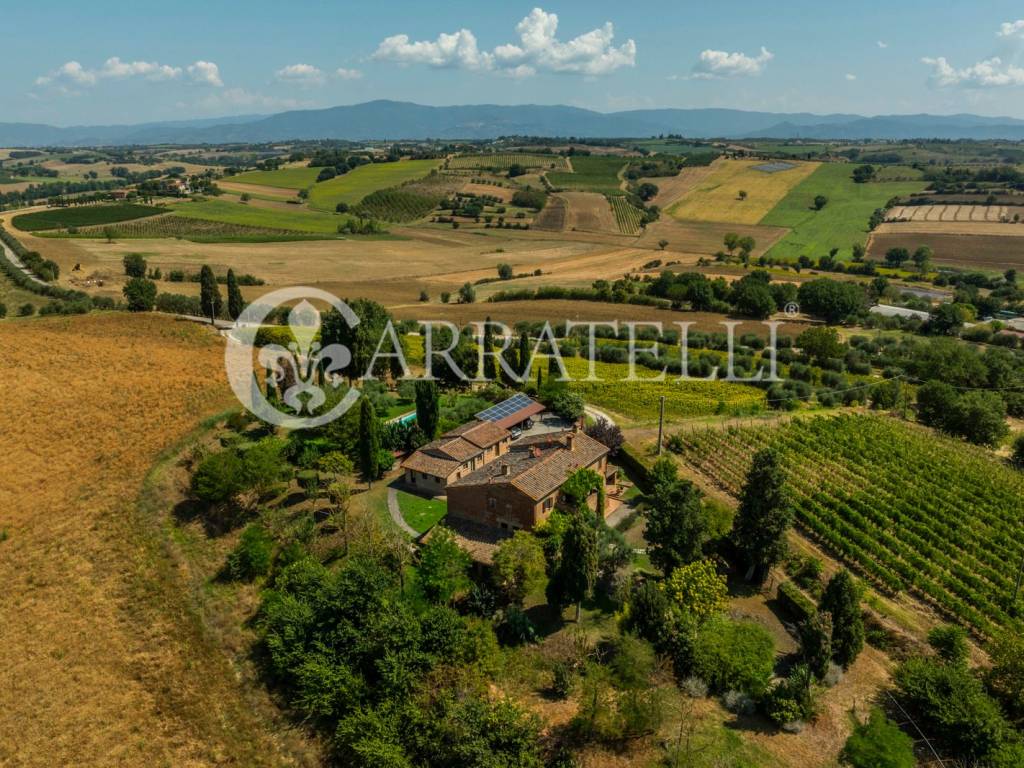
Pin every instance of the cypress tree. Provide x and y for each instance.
(235, 301)
(428, 412)
(764, 516)
(369, 441)
(490, 367)
(209, 293)
(524, 353)
(578, 564)
(842, 600)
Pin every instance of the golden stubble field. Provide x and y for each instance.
(103, 658)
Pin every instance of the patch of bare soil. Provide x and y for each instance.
(589, 212)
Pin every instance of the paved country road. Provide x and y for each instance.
(11, 257)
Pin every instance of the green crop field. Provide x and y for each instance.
(591, 174)
(943, 521)
(195, 230)
(286, 178)
(82, 216)
(503, 161)
(358, 183)
(299, 220)
(640, 400)
(841, 223)
(398, 205)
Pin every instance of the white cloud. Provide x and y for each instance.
(1011, 29)
(850, 77)
(882, 44)
(991, 73)
(300, 74)
(538, 50)
(347, 74)
(73, 73)
(205, 73)
(715, 64)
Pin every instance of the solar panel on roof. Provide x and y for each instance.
(505, 408)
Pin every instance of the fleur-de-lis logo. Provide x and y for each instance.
(296, 369)
(301, 371)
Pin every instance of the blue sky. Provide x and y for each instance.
(118, 62)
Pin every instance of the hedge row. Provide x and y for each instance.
(20, 279)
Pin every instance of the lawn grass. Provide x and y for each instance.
(358, 183)
(717, 197)
(841, 223)
(420, 513)
(82, 216)
(591, 174)
(299, 220)
(286, 178)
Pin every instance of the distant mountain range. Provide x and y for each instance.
(402, 120)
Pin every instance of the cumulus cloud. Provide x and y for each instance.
(538, 50)
(991, 73)
(1011, 29)
(73, 73)
(347, 74)
(850, 77)
(300, 74)
(205, 73)
(716, 64)
(882, 44)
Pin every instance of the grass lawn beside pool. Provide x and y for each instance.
(358, 183)
(286, 178)
(420, 513)
(299, 220)
(841, 223)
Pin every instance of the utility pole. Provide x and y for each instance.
(661, 423)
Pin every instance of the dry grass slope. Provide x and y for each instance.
(104, 664)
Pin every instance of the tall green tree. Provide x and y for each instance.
(361, 340)
(490, 371)
(677, 526)
(235, 301)
(841, 600)
(428, 411)
(524, 353)
(573, 572)
(444, 567)
(764, 516)
(209, 293)
(369, 441)
(519, 567)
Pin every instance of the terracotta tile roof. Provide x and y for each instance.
(538, 465)
(480, 433)
(446, 454)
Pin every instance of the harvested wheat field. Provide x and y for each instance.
(950, 227)
(954, 212)
(258, 189)
(672, 188)
(705, 238)
(980, 251)
(589, 212)
(106, 659)
(717, 196)
(559, 310)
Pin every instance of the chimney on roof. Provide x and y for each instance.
(535, 451)
(576, 427)
(570, 441)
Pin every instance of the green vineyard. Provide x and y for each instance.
(502, 162)
(196, 230)
(627, 215)
(909, 510)
(397, 205)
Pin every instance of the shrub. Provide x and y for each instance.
(734, 655)
(1017, 456)
(950, 642)
(792, 700)
(26, 310)
(134, 265)
(140, 294)
(698, 589)
(878, 743)
(253, 554)
(218, 477)
(562, 679)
